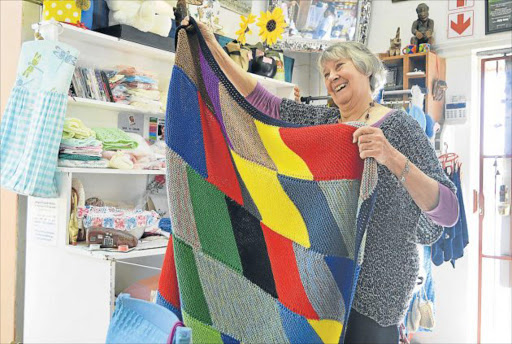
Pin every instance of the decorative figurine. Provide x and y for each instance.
(423, 27)
(395, 44)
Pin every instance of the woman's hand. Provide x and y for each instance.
(373, 144)
(296, 93)
(208, 35)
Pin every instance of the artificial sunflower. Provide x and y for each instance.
(244, 27)
(271, 25)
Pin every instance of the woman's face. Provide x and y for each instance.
(344, 82)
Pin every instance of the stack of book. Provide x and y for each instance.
(92, 84)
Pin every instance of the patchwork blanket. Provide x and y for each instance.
(268, 217)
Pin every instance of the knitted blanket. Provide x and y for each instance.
(268, 217)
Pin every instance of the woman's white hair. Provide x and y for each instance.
(364, 60)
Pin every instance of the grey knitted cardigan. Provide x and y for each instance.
(391, 263)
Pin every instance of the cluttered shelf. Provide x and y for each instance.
(117, 107)
(143, 249)
(72, 33)
(385, 57)
(109, 171)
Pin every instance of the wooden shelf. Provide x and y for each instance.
(114, 107)
(109, 171)
(434, 67)
(416, 76)
(72, 34)
(383, 57)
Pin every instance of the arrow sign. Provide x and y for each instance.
(454, 5)
(460, 24)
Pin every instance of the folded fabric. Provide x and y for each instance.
(141, 85)
(79, 157)
(145, 100)
(155, 108)
(145, 164)
(90, 152)
(140, 78)
(121, 161)
(102, 163)
(115, 218)
(114, 139)
(165, 224)
(151, 95)
(87, 142)
(75, 128)
(143, 149)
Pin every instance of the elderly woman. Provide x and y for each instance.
(415, 197)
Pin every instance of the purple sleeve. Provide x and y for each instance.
(264, 101)
(446, 213)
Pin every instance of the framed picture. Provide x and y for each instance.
(498, 16)
(315, 24)
(391, 76)
(239, 6)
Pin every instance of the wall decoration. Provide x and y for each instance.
(460, 24)
(454, 5)
(498, 16)
(239, 6)
(312, 25)
(244, 27)
(272, 25)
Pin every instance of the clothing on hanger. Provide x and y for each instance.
(450, 246)
(32, 123)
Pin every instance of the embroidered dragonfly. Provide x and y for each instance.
(20, 83)
(33, 65)
(64, 56)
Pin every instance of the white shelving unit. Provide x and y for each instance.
(72, 33)
(114, 107)
(70, 290)
(110, 171)
(154, 249)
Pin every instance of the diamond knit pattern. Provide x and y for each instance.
(268, 217)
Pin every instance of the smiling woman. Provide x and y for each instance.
(348, 56)
(406, 193)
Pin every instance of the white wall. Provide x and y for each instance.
(456, 288)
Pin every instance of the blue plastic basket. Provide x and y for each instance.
(139, 321)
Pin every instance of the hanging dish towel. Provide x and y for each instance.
(268, 217)
(32, 123)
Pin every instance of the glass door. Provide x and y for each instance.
(495, 258)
